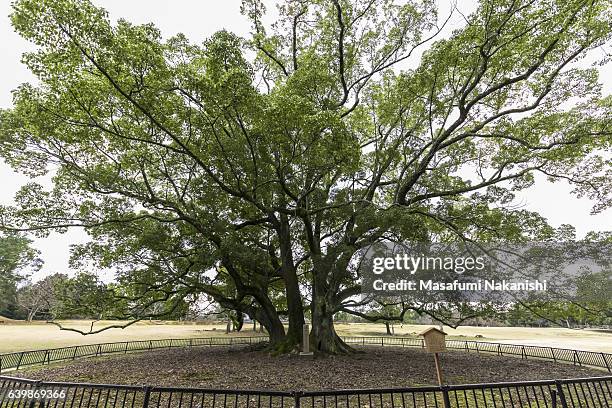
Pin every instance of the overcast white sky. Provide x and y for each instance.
(199, 19)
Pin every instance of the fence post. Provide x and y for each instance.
(523, 354)
(553, 394)
(19, 361)
(577, 358)
(147, 396)
(574, 357)
(99, 351)
(561, 394)
(297, 397)
(46, 357)
(445, 396)
(126, 346)
(552, 351)
(606, 362)
(34, 399)
(75, 352)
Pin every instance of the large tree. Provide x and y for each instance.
(254, 170)
(17, 258)
(39, 297)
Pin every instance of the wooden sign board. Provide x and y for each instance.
(434, 340)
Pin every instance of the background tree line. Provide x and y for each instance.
(56, 296)
(84, 296)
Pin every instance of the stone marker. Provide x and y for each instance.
(306, 341)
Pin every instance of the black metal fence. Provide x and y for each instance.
(573, 393)
(576, 357)
(14, 361)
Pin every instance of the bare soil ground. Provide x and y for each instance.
(245, 368)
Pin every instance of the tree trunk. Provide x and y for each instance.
(238, 321)
(323, 336)
(267, 316)
(273, 326)
(388, 329)
(266, 313)
(292, 288)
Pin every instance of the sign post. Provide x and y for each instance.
(438, 369)
(435, 343)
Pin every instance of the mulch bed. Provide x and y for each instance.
(245, 368)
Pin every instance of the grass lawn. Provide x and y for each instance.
(18, 336)
(40, 335)
(552, 337)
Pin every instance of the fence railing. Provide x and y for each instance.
(14, 361)
(576, 357)
(572, 393)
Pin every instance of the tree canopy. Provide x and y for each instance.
(254, 170)
(17, 257)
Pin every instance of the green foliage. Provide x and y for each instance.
(40, 299)
(17, 257)
(198, 170)
(84, 297)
